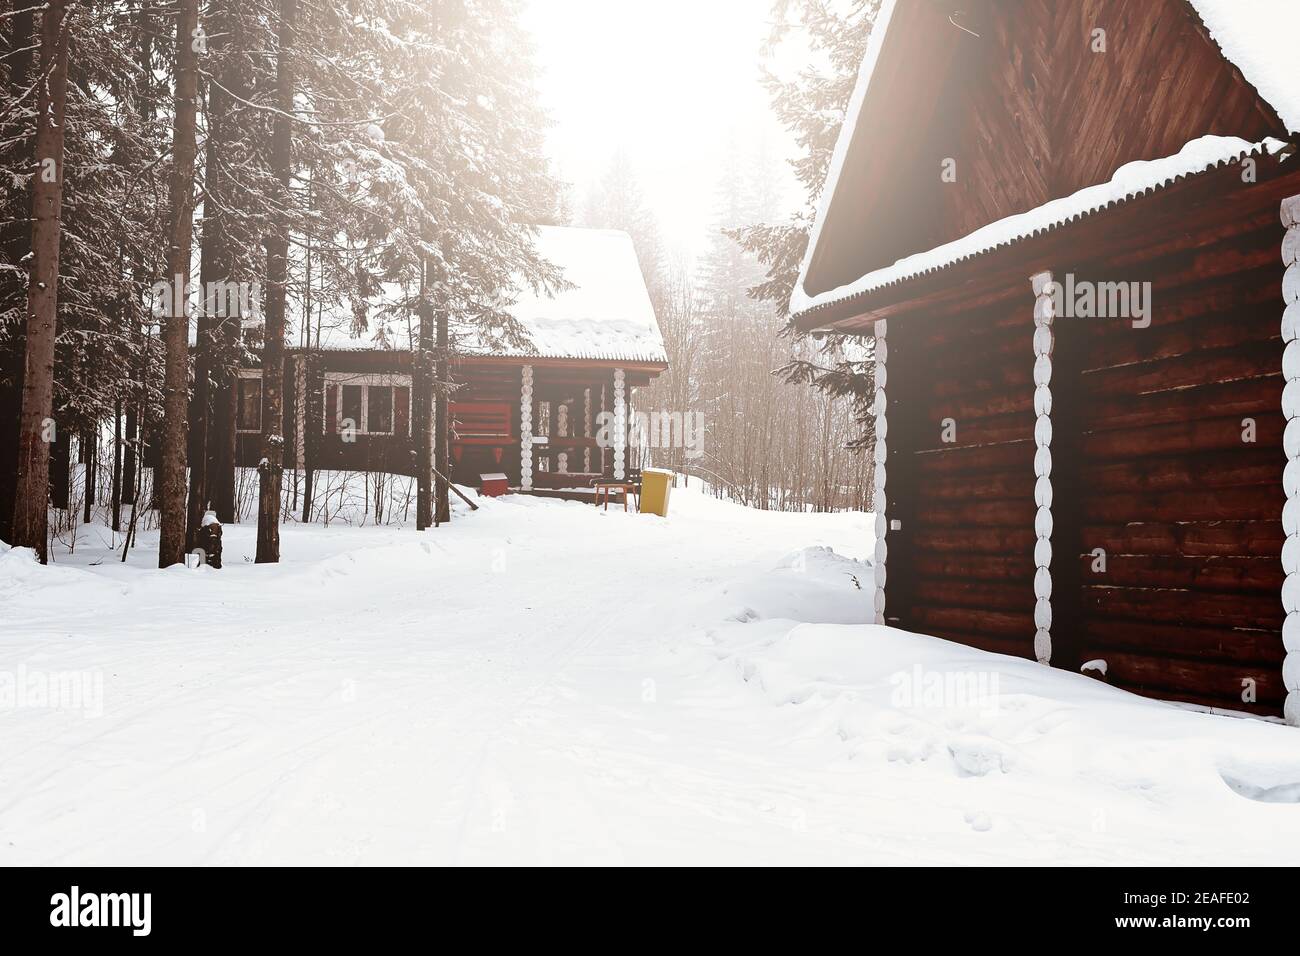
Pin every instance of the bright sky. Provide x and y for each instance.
(669, 81)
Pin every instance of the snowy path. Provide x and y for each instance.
(543, 683)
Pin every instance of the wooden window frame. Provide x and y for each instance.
(365, 381)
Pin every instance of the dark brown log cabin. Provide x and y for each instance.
(532, 413)
(1052, 482)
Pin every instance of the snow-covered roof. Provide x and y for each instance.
(605, 313)
(1256, 36)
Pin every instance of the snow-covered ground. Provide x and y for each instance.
(541, 682)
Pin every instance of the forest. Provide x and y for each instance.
(186, 183)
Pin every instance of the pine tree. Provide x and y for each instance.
(812, 105)
(35, 434)
(171, 546)
(271, 467)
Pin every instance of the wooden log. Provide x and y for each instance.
(965, 408)
(1241, 609)
(978, 567)
(1251, 645)
(975, 513)
(977, 540)
(1190, 436)
(1249, 466)
(1184, 679)
(984, 381)
(950, 620)
(986, 346)
(953, 592)
(1118, 343)
(1007, 457)
(1222, 399)
(1187, 371)
(1016, 486)
(1206, 538)
(966, 432)
(1232, 574)
(1260, 503)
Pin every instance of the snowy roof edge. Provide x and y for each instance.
(606, 316)
(1197, 157)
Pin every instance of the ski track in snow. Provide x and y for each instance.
(542, 682)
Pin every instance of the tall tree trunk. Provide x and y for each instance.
(422, 419)
(90, 451)
(217, 257)
(17, 244)
(271, 468)
(116, 497)
(35, 426)
(171, 542)
(130, 448)
(442, 420)
(211, 270)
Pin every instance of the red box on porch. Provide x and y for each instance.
(493, 486)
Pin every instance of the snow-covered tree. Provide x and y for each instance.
(811, 105)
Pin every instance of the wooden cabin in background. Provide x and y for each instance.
(532, 413)
(1051, 482)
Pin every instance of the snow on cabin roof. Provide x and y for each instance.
(604, 315)
(1256, 36)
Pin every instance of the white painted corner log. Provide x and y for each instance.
(881, 456)
(1291, 449)
(1044, 341)
(526, 429)
(586, 428)
(620, 425)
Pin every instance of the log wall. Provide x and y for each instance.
(1180, 494)
(961, 478)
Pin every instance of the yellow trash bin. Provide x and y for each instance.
(656, 483)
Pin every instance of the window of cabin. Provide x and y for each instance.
(379, 409)
(368, 408)
(249, 406)
(351, 410)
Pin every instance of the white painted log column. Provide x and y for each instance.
(586, 428)
(620, 425)
(300, 412)
(881, 456)
(526, 429)
(562, 426)
(1291, 447)
(1044, 339)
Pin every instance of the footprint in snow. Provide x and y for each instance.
(976, 756)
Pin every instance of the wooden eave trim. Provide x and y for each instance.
(999, 273)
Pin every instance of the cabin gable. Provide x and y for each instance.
(973, 118)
